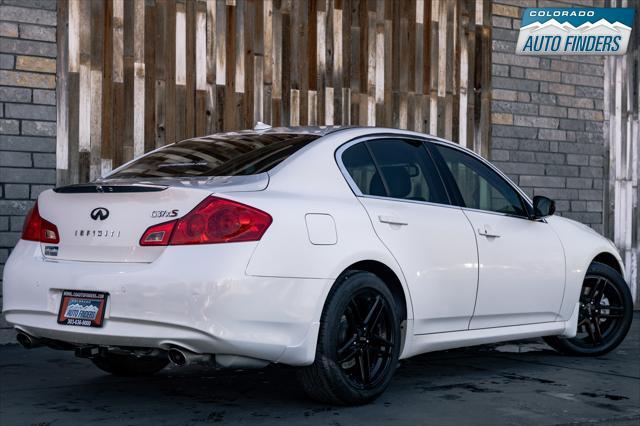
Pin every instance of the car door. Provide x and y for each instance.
(522, 266)
(433, 242)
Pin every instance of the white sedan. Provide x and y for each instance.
(336, 250)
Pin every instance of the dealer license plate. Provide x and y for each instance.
(82, 308)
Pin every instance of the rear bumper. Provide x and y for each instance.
(196, 297)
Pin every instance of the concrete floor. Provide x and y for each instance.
(521, 384)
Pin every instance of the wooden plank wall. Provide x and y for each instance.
(622, 138)
(139, 74)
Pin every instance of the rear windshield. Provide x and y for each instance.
(229, 155)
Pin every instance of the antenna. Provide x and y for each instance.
(260, 126)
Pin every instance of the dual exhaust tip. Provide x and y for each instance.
(182, 357)
(28, 342)
(178, 356)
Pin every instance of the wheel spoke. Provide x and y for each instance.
(363, 366)
(382, 340)
(612, 311)
(374, 313)
(611, 308)
(590, 331)
(381, 349)
(347, 355)
(367, 358)
(611, 315)
(596, 329)
(589, 295)
(597, 290)
(347, 351)
(354, 310)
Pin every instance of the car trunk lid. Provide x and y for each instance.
(104, 222)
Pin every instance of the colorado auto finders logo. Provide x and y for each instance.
(569, 31)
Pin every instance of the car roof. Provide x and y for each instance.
(318, 131)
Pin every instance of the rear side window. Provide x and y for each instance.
(395, 168)
(359, 164)
(232, 155)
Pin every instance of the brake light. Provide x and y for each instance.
(38, 229)
(213, 221)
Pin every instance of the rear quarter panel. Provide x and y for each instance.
(311, 182)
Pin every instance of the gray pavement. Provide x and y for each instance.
(7, 335)
(522, 383)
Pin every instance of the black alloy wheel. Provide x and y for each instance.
(365, 339)
(358, 342)
(601, 311)
(606, 311)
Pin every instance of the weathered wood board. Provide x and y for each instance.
(138, 74)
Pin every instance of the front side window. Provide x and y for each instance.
(480, 187)
(225, 155)
(394, 168)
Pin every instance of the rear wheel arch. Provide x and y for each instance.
(388, 276)
(391, 280)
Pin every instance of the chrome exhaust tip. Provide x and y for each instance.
(26, 341)
(182, 357)
(177, 357)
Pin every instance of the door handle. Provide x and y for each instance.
(392, 220)
(488, 232)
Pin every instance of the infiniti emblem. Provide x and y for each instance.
(99, 213)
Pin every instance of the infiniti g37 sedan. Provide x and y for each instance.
(335, 250)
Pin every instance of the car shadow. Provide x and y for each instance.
(522, 382)
(277, 384)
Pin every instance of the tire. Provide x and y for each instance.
(605, 316)
(130, 365)
(359, 327)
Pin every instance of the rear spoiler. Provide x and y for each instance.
(88, 188)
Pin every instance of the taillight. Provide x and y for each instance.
(213, 221)
(158, 235)
(38, 229)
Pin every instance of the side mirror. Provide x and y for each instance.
(543, 207)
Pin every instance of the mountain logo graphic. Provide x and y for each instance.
(82, 309)
(573, 31)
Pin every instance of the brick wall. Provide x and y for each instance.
(27, 115)
(547, 118)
